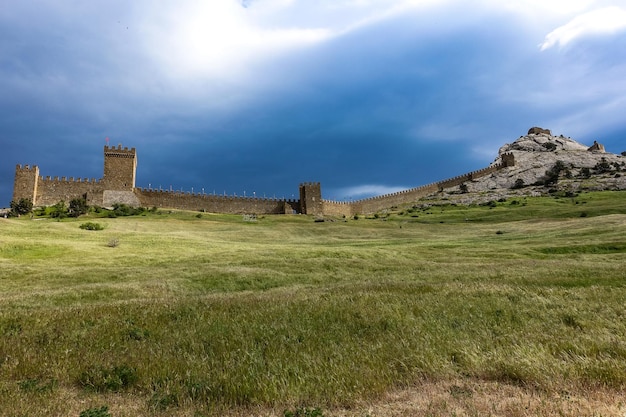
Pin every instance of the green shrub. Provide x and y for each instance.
(37, 386)
(96, 412)
(77, 207)
(519, 183)
(59, 210)
(108, 379)
(585, 172)
(161, 402)
(602, 167)
(304, 412)
(126, 210)
(22, 206)
(91, 226)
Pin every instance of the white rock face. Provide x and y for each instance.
(536, 154)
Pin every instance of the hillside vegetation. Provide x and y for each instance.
(508, 308)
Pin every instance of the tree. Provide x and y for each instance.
(77, 207)
(22, 206)
(519, 183)
(602, 166)
(552, 175)
(585, 172)
(59, 210)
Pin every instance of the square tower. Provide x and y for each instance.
(120, 167)
(25, 185)
(311, 198)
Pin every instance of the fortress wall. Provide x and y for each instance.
(215, 203)
(52, 190)
(456, 181)
(337, 208)
(374, 204)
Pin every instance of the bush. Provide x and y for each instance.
(91, 226)
(96, 412)
(77, 207)
(126, 210)
(108, 379)
(602, 167)
(552, 175)
(519, 183)
(304, 412)
(59, 210)
(585, 173)
(22, 206)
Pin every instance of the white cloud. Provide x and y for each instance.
(225, 39)
(218, 39)
(602, 21)
(366, 190)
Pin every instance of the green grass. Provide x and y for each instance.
(214, 313)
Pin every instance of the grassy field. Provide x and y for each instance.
(459, 309)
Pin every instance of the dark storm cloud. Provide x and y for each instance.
(366, 98)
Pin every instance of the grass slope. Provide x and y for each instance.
(202, 316)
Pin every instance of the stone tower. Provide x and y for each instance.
(120, 167)
(311, 198)
(508, 159)
(25, 185)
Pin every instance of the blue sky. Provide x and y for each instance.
(256, 96)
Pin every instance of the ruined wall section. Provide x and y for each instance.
(215, 203)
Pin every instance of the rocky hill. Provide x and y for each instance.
(546, 164)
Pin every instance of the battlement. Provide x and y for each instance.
(120, 166)
(68, 180)
(27, 168)
(119, 152)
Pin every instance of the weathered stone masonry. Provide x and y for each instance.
(118, 186)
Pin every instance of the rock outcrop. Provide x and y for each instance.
(580, 167)
(596, 147)
(539, 131)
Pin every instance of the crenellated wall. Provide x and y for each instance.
(378, 203)
(215, 203)
(52, 190)
(118, 186)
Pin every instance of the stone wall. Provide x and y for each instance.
(118, 186)
(378, 203)
(52, 190)
(215, 203)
